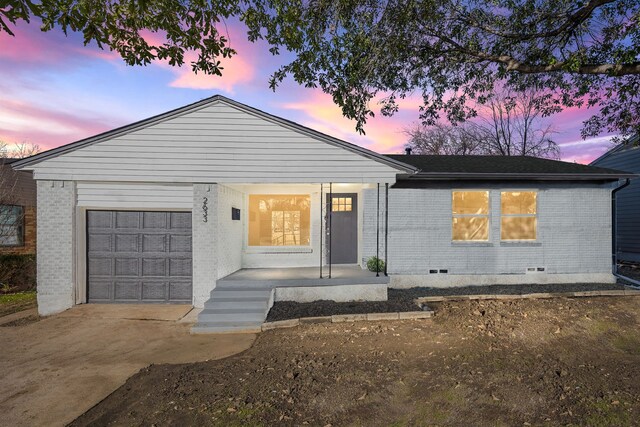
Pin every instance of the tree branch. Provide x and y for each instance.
(572, 22)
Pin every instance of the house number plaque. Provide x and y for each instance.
(205, 209)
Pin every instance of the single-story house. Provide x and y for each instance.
(626, 156)
(226, 207)
(17, 210)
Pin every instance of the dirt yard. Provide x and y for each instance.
(521, 362)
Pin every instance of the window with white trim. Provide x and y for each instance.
(470, 216)
(279, 219)
(11, 225)
(518, 216)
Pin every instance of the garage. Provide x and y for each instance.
(139, 257)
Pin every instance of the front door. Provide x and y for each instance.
(342, 228)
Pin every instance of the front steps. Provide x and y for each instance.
(233, 308)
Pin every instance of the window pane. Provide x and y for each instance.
(10, 225)
(10, 214)
(518, 202)
(471, 228)
(9, 236)
(470, 202)
(279, 220)
(518, 228)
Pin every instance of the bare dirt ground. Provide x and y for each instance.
(55, 369)
(521, 362)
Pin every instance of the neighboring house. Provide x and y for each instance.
(17, 210)
(626, 157)
(182, 206)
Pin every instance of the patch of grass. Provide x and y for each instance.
(600, 327)
(626, 343)
(18, 297)
(13, 303)
(606, 414)
(439, 407)
(240, 417)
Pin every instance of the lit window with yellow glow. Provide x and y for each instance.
(341, 204)
(470, 211)
(519, 215)
(279, 220)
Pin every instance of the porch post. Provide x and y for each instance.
(386, 225)
(378, 233)
(322, 202)
(330, 213)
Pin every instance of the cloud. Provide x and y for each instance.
(236, 71)
(585, 151)
(383, 134)
(24, 122)
(31, 47)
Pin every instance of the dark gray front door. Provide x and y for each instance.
(343, 231)
(142, 257)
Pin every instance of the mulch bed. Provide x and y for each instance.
(632, 271)
(285, 310)
(506, 289)
(402, 300)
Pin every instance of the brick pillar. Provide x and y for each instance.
(55, 230)
(205, 257)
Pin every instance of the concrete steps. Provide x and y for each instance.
(234, 309)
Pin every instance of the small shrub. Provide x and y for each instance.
(17, 273)
(375, 264)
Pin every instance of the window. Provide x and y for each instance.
(11, 225)
(279, 220)
(518, 217)
(470, 211)
(341, 204)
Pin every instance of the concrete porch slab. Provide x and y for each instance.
(301, 276)
(167, 312)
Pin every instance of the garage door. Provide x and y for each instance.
(142, 257)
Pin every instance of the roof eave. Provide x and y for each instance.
(434, 176)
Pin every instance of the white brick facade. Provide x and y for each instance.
(56, 205)
(204, 246)
(574, 238)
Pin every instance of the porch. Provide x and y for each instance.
(241, 300)
(301, 277)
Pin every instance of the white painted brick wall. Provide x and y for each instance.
(205, 247)
(55, 224)
(230, 232)
(574, 234)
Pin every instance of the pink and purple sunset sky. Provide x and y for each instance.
(54, 90)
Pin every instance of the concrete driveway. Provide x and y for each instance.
(54, 370)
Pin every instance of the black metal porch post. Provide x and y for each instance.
(378, 234)
(330, 210)
(321, 221)
(386, 225)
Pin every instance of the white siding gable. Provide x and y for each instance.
(216, 142)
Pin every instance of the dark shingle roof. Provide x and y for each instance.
(504, 167)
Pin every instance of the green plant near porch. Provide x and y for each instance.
(375, 264)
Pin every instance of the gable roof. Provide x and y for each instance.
(504, 167)
(55, 152)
